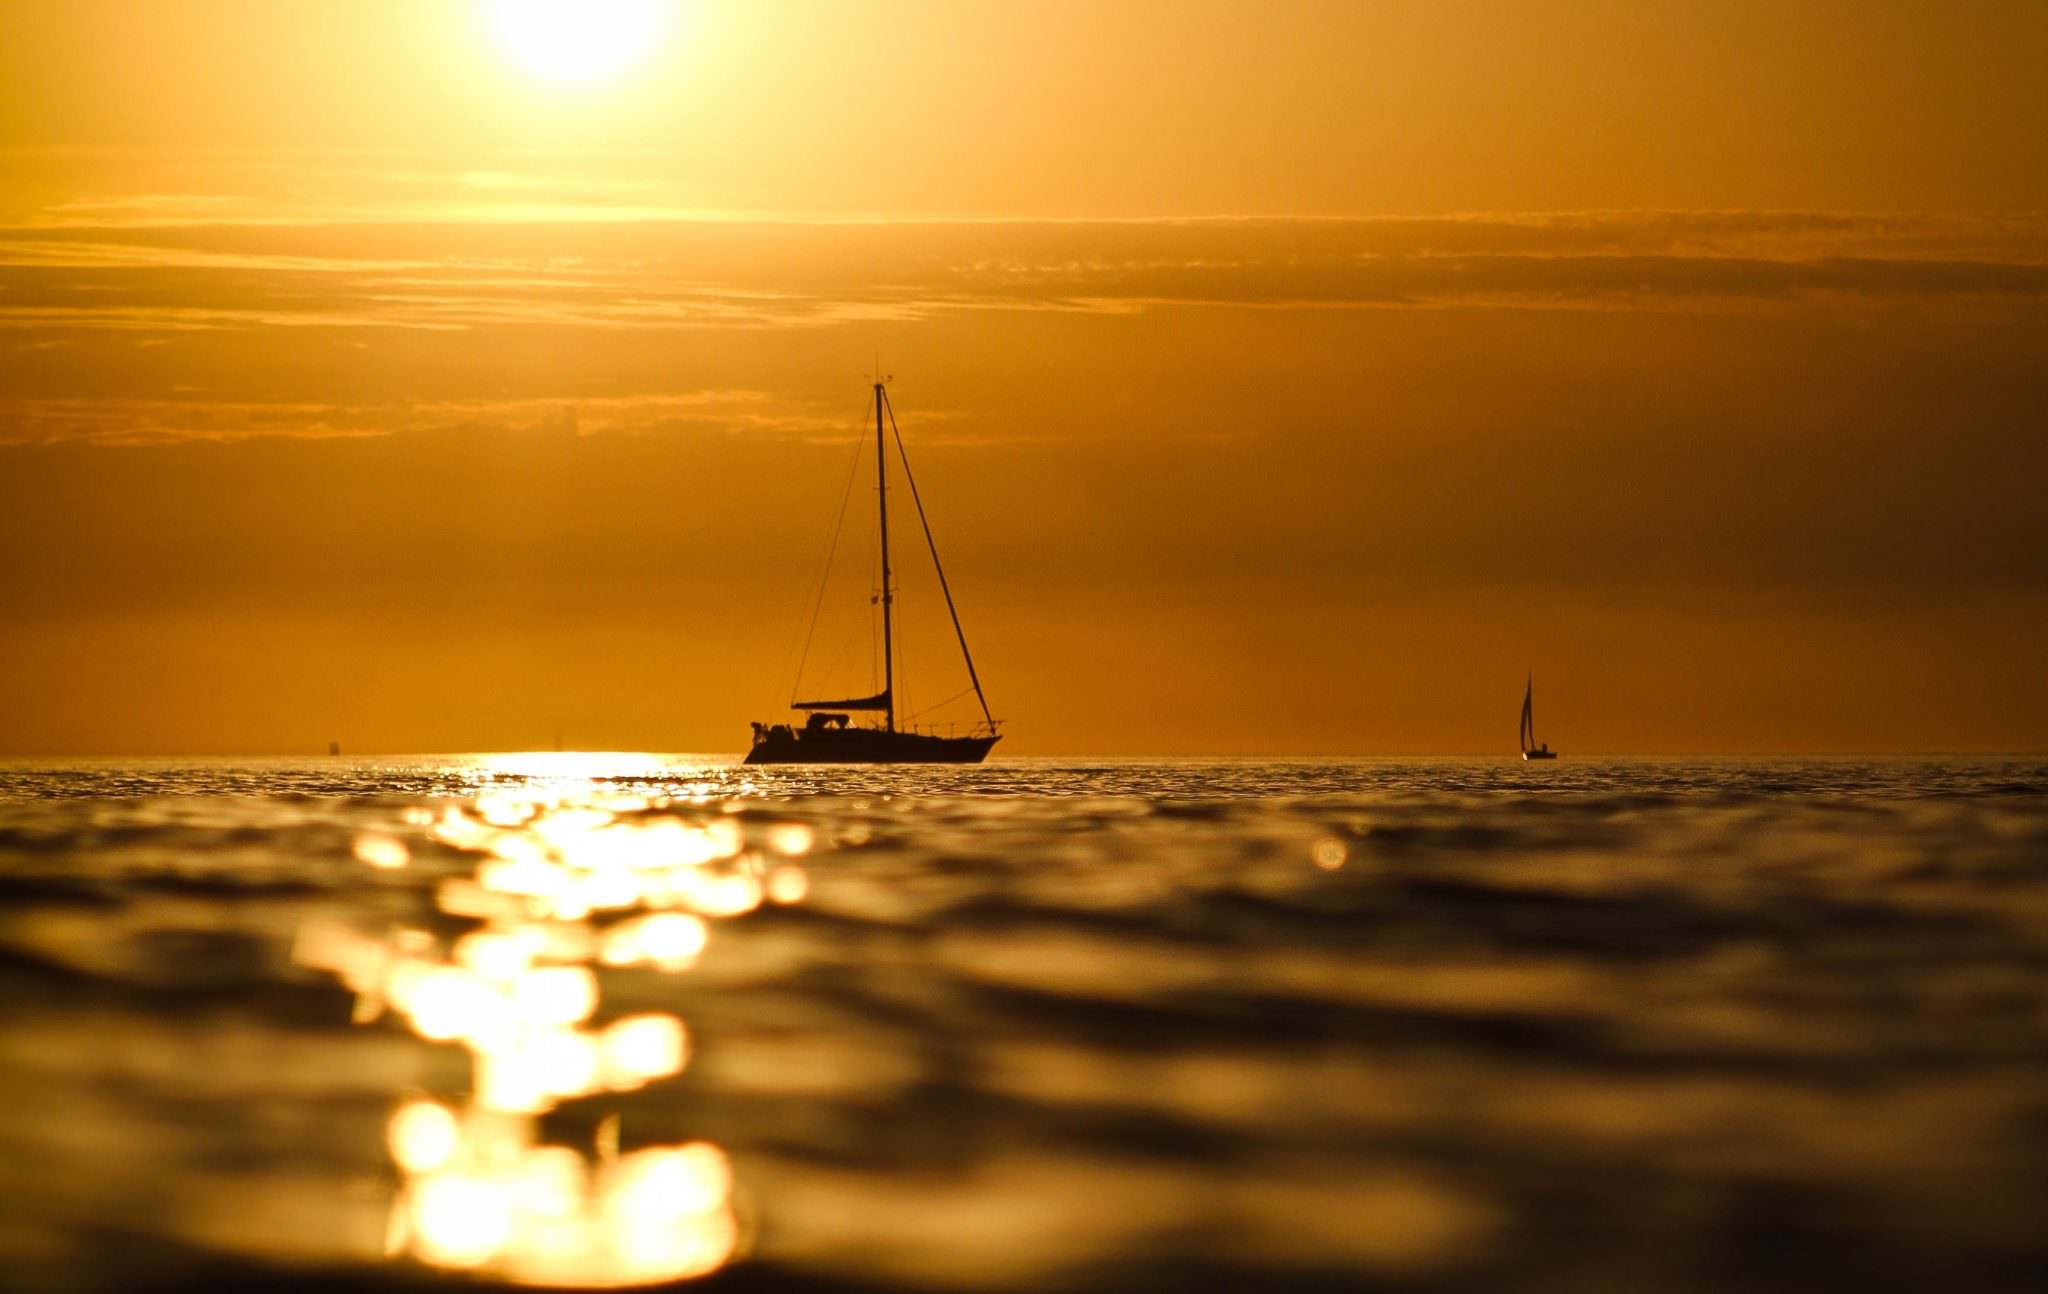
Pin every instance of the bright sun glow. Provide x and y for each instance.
(576, 42)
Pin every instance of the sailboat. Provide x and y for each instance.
(1530, 750)
(828, 734)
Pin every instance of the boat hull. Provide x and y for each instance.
(1539, 754)
(866, 746)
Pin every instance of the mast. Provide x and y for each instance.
(888, 595)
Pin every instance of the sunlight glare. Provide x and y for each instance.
(576, 42)
(552, 845)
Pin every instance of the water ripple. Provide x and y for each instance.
(1438, 1025)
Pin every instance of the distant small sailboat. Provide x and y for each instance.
(1530, 750)
(827, 736)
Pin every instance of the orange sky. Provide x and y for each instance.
(1280, 377)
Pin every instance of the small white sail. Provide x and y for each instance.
(1527, 734)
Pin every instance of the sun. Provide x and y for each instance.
(576, 42)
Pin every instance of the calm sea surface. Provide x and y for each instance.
(1034, 1026)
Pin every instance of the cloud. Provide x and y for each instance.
(815, 274)
(360, 329)
(196, 415)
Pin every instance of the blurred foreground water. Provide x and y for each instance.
(602, 1020)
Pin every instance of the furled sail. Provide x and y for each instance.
(1528, 730)
(879, 701)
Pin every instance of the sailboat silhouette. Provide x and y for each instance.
(827, 736)
(1530, 750)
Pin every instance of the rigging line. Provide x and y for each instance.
(832, 662)
(825, 576)
(942, 704)
(874, 624)
(842, 652)
(933, 545)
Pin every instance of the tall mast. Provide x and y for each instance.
(888, 594)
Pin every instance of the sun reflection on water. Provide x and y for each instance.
(566, 876)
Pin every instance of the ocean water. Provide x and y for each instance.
(597, 1020)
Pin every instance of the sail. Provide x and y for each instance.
(879, 701)
(1527, 734)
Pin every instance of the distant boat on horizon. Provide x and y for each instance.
(828, 735)
(1530, 750)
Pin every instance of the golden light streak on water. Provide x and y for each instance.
(668, 941)
(459, 1221)
(788, 885)
(640, 1048)
(423, 1136)
(555, 995)
(790, 839)
(566, 876)
(1328, 853)
(379, 850)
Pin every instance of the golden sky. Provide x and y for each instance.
(1281, 377)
